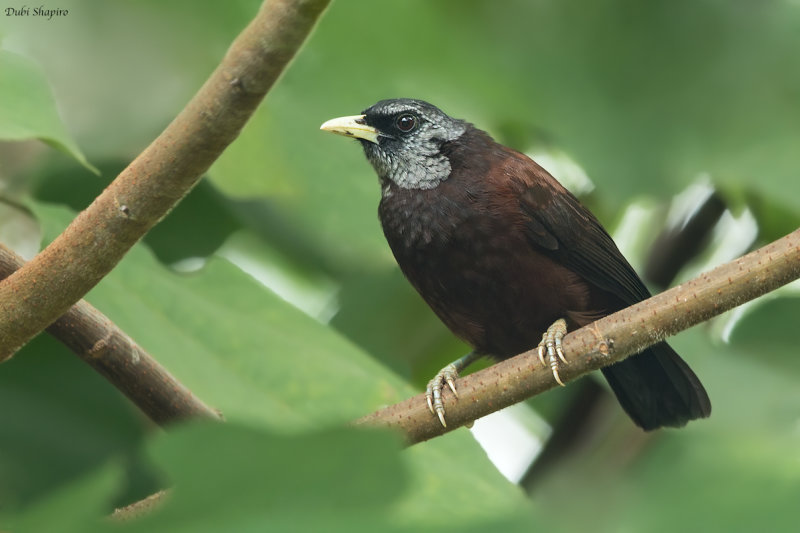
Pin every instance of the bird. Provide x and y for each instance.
(505, 256)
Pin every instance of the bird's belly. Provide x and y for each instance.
(498, 299)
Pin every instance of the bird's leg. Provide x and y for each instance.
(449, 374)
(551, 344)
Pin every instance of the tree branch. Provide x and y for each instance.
(140, 508)
(107, 349)
(37, 294)
(604, 342)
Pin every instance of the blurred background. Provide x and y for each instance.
(270, 291)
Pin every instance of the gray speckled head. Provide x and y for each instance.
(410, 137)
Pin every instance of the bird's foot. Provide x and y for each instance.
(448, 375)
(433, 393)
(551, 345)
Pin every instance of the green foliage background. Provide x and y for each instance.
(645, 96)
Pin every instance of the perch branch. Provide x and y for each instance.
(107, 349)
(41, 291)
(604, 342)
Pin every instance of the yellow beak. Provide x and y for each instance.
(353, 126)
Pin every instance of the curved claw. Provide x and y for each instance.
(559, 349)
(452, 384)
(554, 370)
(433, 392)
(449, 375)
(551, 344)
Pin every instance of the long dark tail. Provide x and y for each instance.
(658, 389)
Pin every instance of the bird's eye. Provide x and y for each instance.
(406, 122)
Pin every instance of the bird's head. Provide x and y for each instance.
(403, 140)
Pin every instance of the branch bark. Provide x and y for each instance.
(37, 294)
(604, 342)
(107, 349)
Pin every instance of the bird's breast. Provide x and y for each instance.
(474, 267)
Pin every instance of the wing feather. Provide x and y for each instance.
(558, 224)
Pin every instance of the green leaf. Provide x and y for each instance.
(28, 109)
(59, 420)
(644, 97)
(77, 507)
(119, 89)
(736, 471)
(235, 478)
(405, 335)
(259, 360)
(768, 328)
(644, 103)
(19, 230)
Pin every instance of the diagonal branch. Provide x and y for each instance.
(41, 291)
(107, 349)
(604, 342)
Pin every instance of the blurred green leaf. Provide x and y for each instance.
(27, 107)
(386, 317)
(234, 478)
(115, 89)
(19, 230)
(195, 228)
(235, 344)
(644, 96)
(58, 421)
(775, 218)
(256, 358)
(75, 508)
(767, 331)
(736, 471)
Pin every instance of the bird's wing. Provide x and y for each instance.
(656, 388)
(558, 224)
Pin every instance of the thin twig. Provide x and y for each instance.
(106, 348)
(604, 342)
(41, 291)
(140, 508)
